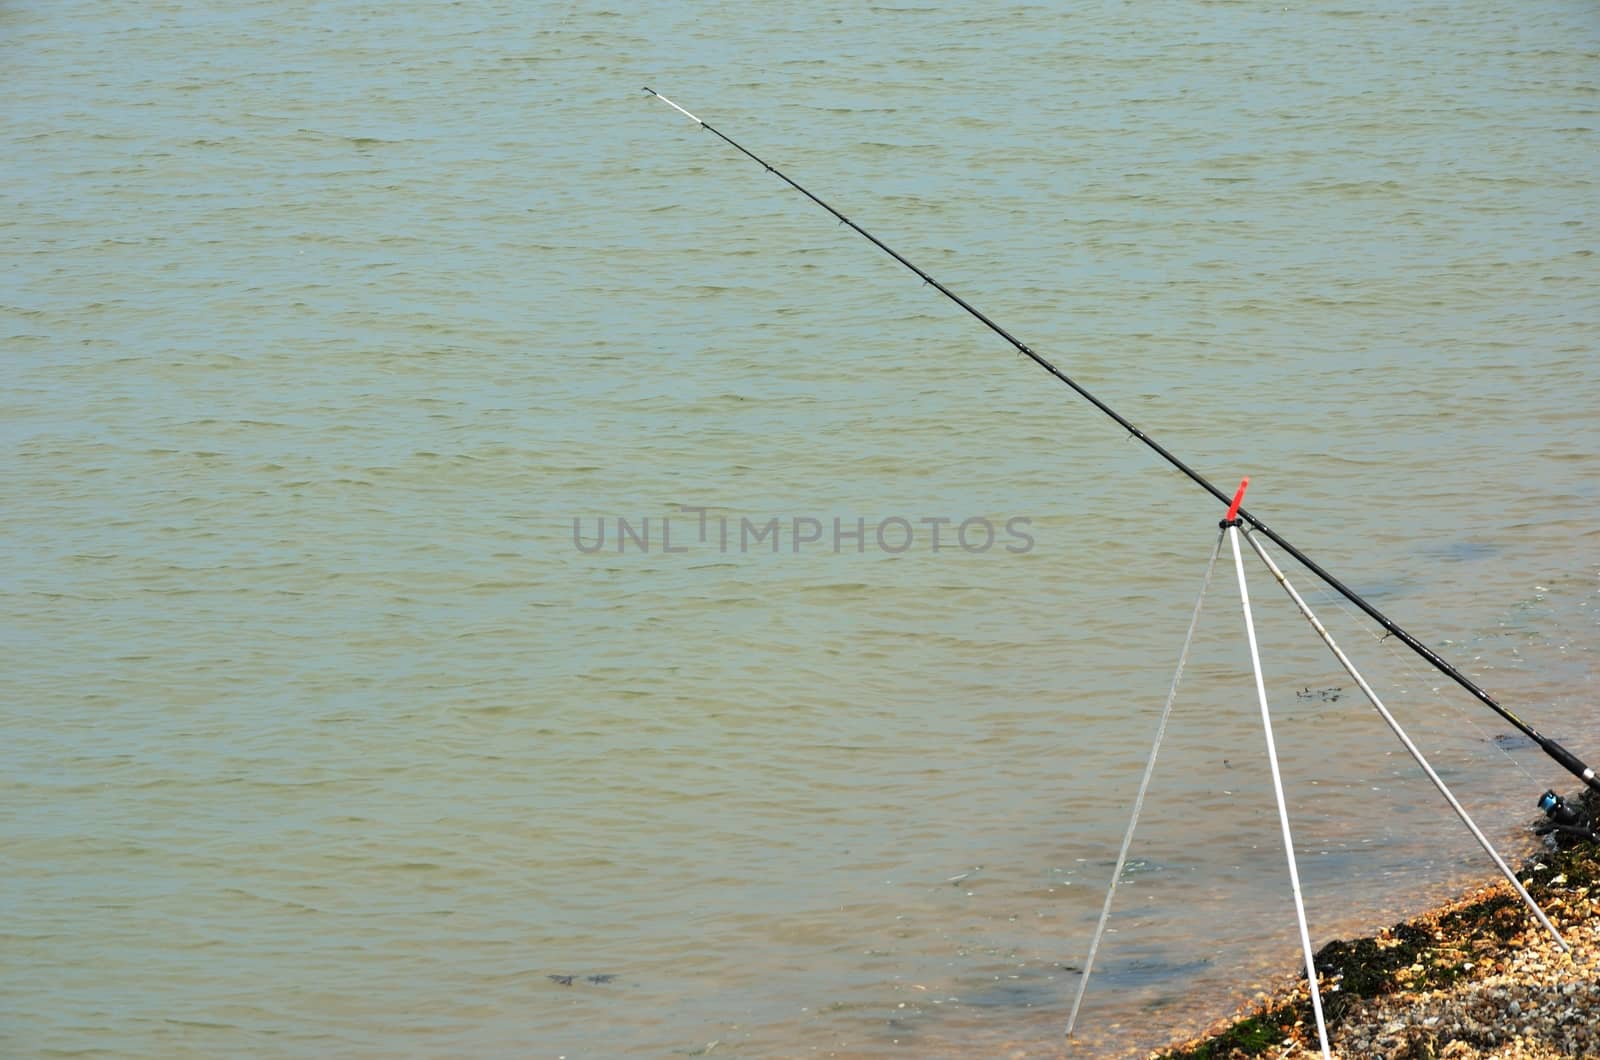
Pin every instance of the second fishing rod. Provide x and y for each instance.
(1569, 761)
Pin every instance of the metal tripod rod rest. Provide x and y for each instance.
(1568, 761)
(1229, 528)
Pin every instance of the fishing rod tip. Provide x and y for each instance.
(650, 90)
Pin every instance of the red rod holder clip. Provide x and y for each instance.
(1233, 509)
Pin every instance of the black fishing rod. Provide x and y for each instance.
(1569, 761)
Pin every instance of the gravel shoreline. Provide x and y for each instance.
(1477, 977)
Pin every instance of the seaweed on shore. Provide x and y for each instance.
(1251, 1036)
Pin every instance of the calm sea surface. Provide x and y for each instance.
(324, 325)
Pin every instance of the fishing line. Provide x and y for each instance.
(1560, 754)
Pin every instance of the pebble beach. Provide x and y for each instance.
(1476, 977)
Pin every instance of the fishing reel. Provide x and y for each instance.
(1565, 820)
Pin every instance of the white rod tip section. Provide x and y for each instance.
(673, 105)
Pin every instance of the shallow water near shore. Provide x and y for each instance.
(334, 335)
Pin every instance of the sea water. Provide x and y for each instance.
(336, 334)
